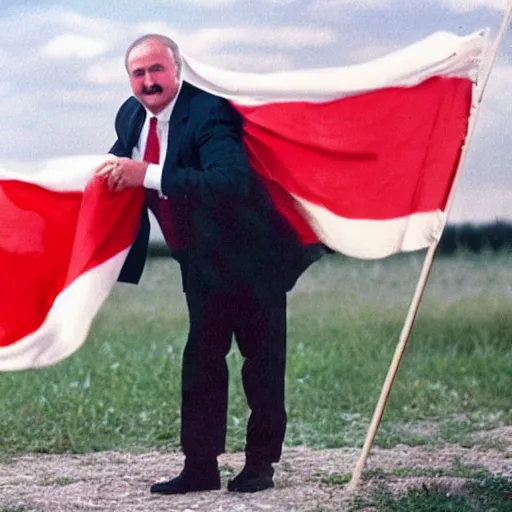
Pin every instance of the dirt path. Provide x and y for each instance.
(306, 480)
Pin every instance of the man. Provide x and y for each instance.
(238, 258)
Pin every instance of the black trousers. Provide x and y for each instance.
(259, 328)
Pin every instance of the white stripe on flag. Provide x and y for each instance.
(68, 321)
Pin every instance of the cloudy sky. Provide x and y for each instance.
(62, 76)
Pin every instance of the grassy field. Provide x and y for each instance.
(488, 494)
(121, 390)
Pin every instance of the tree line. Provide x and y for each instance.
(495, 236)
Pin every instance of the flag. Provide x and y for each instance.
(63, 240)
(361, 158)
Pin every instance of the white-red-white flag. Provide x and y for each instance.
(361, 158)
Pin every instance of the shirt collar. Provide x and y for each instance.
(165, 114)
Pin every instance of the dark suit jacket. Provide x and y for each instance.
(235, 235)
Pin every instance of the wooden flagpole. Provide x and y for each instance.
(425, 272)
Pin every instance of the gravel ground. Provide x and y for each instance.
(305, 479)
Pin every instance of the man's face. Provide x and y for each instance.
(153, 75)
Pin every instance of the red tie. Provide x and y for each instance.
(159, 206)
(152, 153)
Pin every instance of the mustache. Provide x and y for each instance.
(154, 89)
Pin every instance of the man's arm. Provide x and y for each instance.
(119, 150)
(133, 266)
(225, 172)
(123, 172)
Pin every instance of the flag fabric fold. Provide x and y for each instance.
(361, 158)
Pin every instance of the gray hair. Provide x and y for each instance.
(166, 41)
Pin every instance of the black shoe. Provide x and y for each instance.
(187, 482)
(253, 479)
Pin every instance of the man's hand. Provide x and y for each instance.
(122, 173)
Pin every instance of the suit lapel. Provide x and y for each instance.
(135, 126)
(178, 119)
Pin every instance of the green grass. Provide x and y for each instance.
(457, 470)
(121, 390)
(490, 494)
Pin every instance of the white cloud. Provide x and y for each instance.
(251, 62)
(5, 88)
(371, 51)
(211, 4)
(497, 101)
(15, 105)
(485, 203)
(38, 25)
(76, 22)
(486, 170)
(499, 89)
(82, 97)
(335, 5)
(70, 45)
(160, 27)
(284, 38)
(109, 71)
(5, 56)
(471, 5)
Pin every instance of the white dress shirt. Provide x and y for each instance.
(153, 178)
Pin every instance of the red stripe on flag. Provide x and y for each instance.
(48, 239)
(381, 155)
